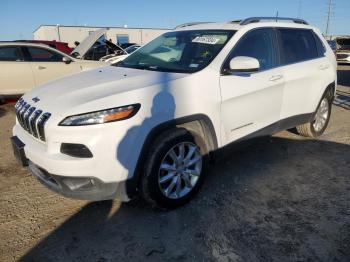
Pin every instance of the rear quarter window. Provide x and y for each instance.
(297, 45)
(321, 49)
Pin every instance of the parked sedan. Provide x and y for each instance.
(26, 65)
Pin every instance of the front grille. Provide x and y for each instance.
(342, 56)
(31, 119)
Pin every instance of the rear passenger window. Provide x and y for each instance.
(258, 44)
(10, 53)
(297, 45)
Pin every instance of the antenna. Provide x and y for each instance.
(277, 16)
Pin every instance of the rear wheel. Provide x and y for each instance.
(173, 169)
(320, 120)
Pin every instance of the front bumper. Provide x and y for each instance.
(85, 188)
(115, 148)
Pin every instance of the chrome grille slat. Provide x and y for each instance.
(26, 108)
(21, 112)
(26, 118)
(33, 122)
(41, 123)
(18, 107)
(31, 119)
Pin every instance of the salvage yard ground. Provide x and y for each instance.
(284, 198)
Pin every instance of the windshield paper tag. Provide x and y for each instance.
(210, 40)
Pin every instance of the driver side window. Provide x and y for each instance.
(258, 44)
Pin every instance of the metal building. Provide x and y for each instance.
(119, 35)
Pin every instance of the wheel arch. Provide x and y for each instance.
(199, 125)
(330, 88)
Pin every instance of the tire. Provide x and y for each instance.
(155, 181)
(320, 118)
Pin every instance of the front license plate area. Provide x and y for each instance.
(18, 150)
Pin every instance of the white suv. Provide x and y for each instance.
(146, 126)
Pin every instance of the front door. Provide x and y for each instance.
(251, 102)
(48, 65)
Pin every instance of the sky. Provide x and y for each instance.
(18, 19)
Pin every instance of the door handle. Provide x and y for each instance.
(275, 78)
(41, 67)
(323, 67)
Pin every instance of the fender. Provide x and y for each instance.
(132, 183)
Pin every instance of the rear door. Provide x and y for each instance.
(251, 102)
(16, 76)
(306, 69)
(48, 64)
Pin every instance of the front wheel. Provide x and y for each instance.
(320, 120)
(173, 169)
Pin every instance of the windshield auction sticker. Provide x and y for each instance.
(206, 39)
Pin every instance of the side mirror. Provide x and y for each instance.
(66, 60)
(244, 64)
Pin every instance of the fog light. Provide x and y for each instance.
(75, 150)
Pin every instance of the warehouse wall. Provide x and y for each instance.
(70, 34)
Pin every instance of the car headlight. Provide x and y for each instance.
(102, 116)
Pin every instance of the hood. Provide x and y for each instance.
(95, 88)
(114, 46)
(88, 42)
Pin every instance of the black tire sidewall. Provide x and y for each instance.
(160, 149)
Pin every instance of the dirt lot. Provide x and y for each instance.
(284, 198)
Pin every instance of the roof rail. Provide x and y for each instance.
(235, 22)
(190, 24)
(259, 19)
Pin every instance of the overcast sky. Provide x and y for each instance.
(20, 18)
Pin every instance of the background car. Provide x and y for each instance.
(113, 60)
(343, 52)
(61, 46)
(26, 65)
(343, 57)
(97, 47)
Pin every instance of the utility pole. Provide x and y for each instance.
(329, 15)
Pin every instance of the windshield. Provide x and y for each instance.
(179, 51)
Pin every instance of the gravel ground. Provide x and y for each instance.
(283, 198)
